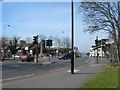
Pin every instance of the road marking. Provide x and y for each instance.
(74, 70)
(17, 77)
(31, 76)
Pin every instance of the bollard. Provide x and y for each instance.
(35, 59)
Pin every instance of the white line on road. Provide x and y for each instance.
(74, 70)
(17, 77)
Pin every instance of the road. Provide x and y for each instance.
(15, 71)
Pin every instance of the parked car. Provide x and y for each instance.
(27, 58)
(16, 56)
(65, 56)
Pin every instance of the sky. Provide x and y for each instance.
(27, 19)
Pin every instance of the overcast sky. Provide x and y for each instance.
(50, 18)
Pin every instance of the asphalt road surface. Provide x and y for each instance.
(26, 68)
(14, 71)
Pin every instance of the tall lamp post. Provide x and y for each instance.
(4, 38)
(4, 28)
(72, 30)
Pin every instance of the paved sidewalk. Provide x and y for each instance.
(58, 78)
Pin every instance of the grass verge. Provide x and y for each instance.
(107, 78)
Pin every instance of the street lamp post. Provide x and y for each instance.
(4, 37)
(4, 28)
(72, 28)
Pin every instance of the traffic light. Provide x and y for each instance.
(48, 42)
(35, 39)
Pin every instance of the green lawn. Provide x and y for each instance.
(108, 78)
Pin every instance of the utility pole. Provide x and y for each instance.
(72, 52)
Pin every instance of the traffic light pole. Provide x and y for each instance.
(72, 52)
(97, 49)
(49, 53)
(37, 50)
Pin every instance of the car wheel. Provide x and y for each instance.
(28, 60)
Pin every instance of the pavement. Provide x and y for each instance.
(60, 78)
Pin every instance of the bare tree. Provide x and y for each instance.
(57, 42)
(4, 43)
(13, 45)
(103, 16)
(66, 42)
(42, 37)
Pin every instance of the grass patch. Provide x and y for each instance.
(107, 78)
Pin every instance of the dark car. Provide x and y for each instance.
(65, 56)
(27, 58)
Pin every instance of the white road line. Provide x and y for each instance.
(74, 70)
(17, 77)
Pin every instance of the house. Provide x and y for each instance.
(31, 48)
